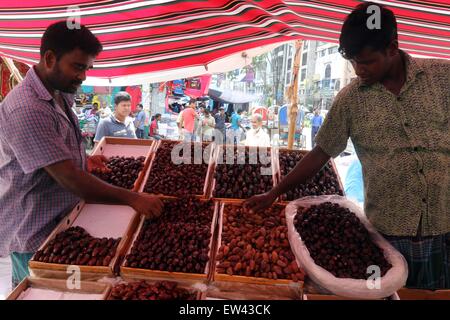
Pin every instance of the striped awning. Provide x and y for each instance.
(141, 37)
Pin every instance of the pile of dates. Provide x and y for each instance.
(161, 290)
(124, 171)
(76, 246)
(256, 245)
(324, 183)
(237, 177)
(178, 179)
(338, 241)
(178, 241)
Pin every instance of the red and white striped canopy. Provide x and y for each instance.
(142, 37)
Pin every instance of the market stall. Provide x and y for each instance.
(202, 247)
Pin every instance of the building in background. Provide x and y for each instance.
(323, 73)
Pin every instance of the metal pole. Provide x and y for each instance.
(293, 94)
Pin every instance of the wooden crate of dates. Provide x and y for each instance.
(128, 160)
(32, 288)
(132, 289)
(419, 294)
(326, 182)
(248, 174)
(92, 237)
(250, 291)
(171, 179)
(254, 248)
(176, 246)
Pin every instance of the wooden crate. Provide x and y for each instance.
(147, 274)
(125, 147)
(213, 165)
(242, 287)
(252, 291)
(53, 270)
(86, 287)
(277, 169)
(209, 173)
(417, 294)
(190, 284)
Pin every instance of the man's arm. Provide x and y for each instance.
(94, 190)
(307, 168)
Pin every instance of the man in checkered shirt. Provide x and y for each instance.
(43, 166)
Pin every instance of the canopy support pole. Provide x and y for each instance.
(13, 69)
(293, 95)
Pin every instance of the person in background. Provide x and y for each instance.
(118, 124)
(44, 169)
(189, 117)
(199, 122)
(139, 122)
(147, 124)
(154, 133)
(256, 136)
(208, 125)
(354, 183)
(316, 123)
(180, 125)
(236, 127)
(220, 130)
(405, 154)
(93, 112)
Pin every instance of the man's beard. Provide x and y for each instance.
(58, 82)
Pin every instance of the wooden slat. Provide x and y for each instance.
(86, 287)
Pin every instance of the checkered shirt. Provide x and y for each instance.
(34, 133)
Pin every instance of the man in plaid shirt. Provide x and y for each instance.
(43, 166)
(397, 114)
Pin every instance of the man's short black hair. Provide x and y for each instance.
(239, 111)
(121, 96)
(140, 106)
(61, 40)
(192, 100)
(356, 35)
(157, 115)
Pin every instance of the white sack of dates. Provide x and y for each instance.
(394, 279)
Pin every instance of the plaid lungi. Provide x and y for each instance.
(428, 260)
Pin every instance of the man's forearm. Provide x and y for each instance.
(307, 168)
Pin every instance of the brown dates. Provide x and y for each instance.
(323, 183)
(124, 171)
(178, 179)
(161, 290)
(338, 241)
(252, 245)
(244, 173)
(76, 246)
(178, 241)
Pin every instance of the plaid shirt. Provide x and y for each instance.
(34, 133)
(403, 143)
